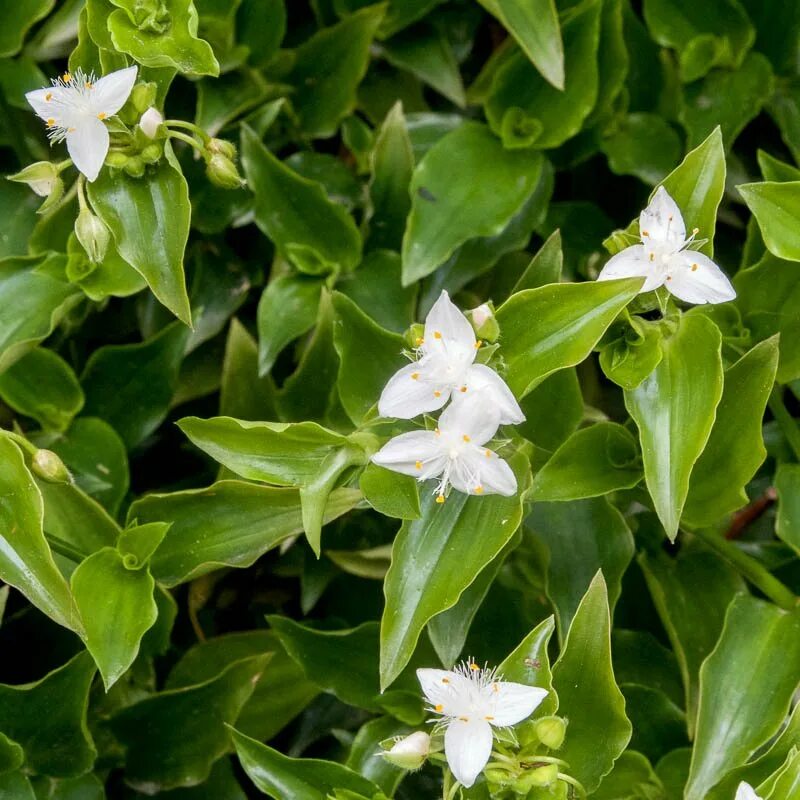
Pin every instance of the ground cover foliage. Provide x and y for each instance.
(220, 573)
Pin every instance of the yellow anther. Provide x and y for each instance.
(88, 85)
(488, 718)
(669, 277)
(487, 453)
(437, 335)
(437, 393)
(474, 667)
(48, 97)
(71, 130)
(478, 344)
(415, 376)
(101, 115)
(645, 233)
(694, 267)
(440, 498)
(669, 218)
(445, 680)
(495, 687)
(437, 432)
(479, 489)
(420, 341)
(438, 708)
(463, 389)
(465, 437)
(652, 256)
(66, 77)
(51, 123)
(418, 464)
(464, 719)
(695, 231)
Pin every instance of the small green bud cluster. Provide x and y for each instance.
(43, 178)
(221, 164)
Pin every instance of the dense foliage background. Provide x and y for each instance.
(185, 573)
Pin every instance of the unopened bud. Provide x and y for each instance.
(151, 153)
(49, 467)
(410, 752)
(415, 336)
(150, 122)
(221, 147)
(541, 776)
(116, 159)
(42, 177)
(143, 96)
(222, 172)
(134, 166)
(484, 323)
(551, 731)
(93, 235)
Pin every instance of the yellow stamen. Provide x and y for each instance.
(463, 388)
(465, 437)
(440, 498)
(66, 77)
(495, 687)
(652, 256)
(488, 719)
(645, 233)
(669, 218)
(51, 123)
(695, 231)
(71, 130)
(418, 464)
(445, 680)
(420, 341)
(694, 267)
(437, 432)
(669, 277)
(415, 376)
(101, 115)
(479, 489)
(487, 453)
(478, 344)
(88, 85)
(474, 667)
(464, 719)
(437, 393)
(438, 708)
(48, 97)
(437, 335)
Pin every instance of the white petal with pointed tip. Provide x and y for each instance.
(479, 471)
(446, 319)
(695, 278)
(447, 689)
(633, 262)
(480, 377)
(46, 109)
(746, 792)
(404, 452)
(475, 416)
(111, 91)
(406, 397)
(513, 702)
(662, 221)
(467, 746)
(87, 145)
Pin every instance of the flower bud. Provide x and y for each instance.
(116, 159)
(49, 467)
(134, 166)
(93, 235)
(151, 153)
(42, 177)
(222, 172)
(541, 776)
(143, 96)
(415, 335)
(410, 752)
(484, 323)
(150, 122)
(551, 731)
(221, 147)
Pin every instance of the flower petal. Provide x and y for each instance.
(406, 396)
(418, 453)
(482, 378)
(110, 92)
(662, 221)
(633, 262)
(480, 471)
(44, 108)
(452, 327)
(695, 278)
(475, 416)
(746, 792)
(87, 144)
(446, 691)
(513, 702)
(467, 745)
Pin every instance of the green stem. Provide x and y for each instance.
(62, 165)
(751, 569)
(82, 205)
(189, 140)
(573, 783)
(536, 759)
(64, 549)
(189, 126)
(785, 420)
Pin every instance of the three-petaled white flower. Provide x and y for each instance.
(664, 257)
(75, 108)
(455, 452)
(746, 792)
(471, 701)
(445, 368)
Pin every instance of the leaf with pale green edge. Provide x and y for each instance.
(449, 205)
(678, 587)
(344, 662)
(735, 448)
(525, 110)
(594, 461)
(391, 165)
(674, 409)
(787, 523)
(696, 185)
(588, 695)
(231, 523)
(222, 100)
(368, 357)
(12, 755)
(48, 719)
(775, 170)
(776, 207)
(117, 608)
(41, 385)
(18, 218)
(280, 776)
(25, 558)
(556, 326)
(34, 303)
(641, 660)
(553, 410)
(644, 145)
(311, 231)
(786, 782)
(112, 277)
(327, 69)
(16, 786)
(280, 694)
(168, 744)
(390, 493)
(367, 743)
(17, 19)
(545, 266)
(166, 44)
(632, 777)
(130, 386)
(243, 394)
(746, 688)
(582, 537)
(436, 557)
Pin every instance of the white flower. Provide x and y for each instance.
(150, 122)
(445, 367)
(746, 792)
(75, 108)
(410, 752)
(481, 314)
(664, 257)
(470, 701)
(455, 452)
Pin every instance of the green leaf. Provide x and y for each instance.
(168, 743)
(230, 523)
(582, 537)
(328, 68)
(760, 643)
(449, 206)
(435, 558)
(535, 27)
(553, 410)
(556, 326)
(787, 523)
(168, 42)
(588, 695)
(545, 266)
(43, 386)
(48, 719)
(243, 393)
(117, 608)
(773, 169)
(33, 304)
(312, 232)
(776, 207)
(281, 693)
(11, 755)
(632, 773)
(361, 758)
(593, 461)
(735, 448)
(282, 777)
(25, 558)
(659, 726)
(149, 219)
(18, 206)
(641, 660)
(16, 20)
(131, 386)
(524, 108)
(390, 493)
(674, 410)
(15, 786)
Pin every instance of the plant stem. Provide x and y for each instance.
(65, 549)
(81, 197)
(189, 126)
(576, 785)
(754, 572)
(785, 420)
(189, 140)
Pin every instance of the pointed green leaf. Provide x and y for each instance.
(243, 393)
(16, 20)
(545, 266)
(390, 493)
(776, 207)
(787, 485)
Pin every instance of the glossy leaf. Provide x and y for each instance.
(776, 206)
(390, 493)
(787, 485)
(243, 394)
(16, 21)
(553, 410)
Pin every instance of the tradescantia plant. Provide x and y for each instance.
(400, 400)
